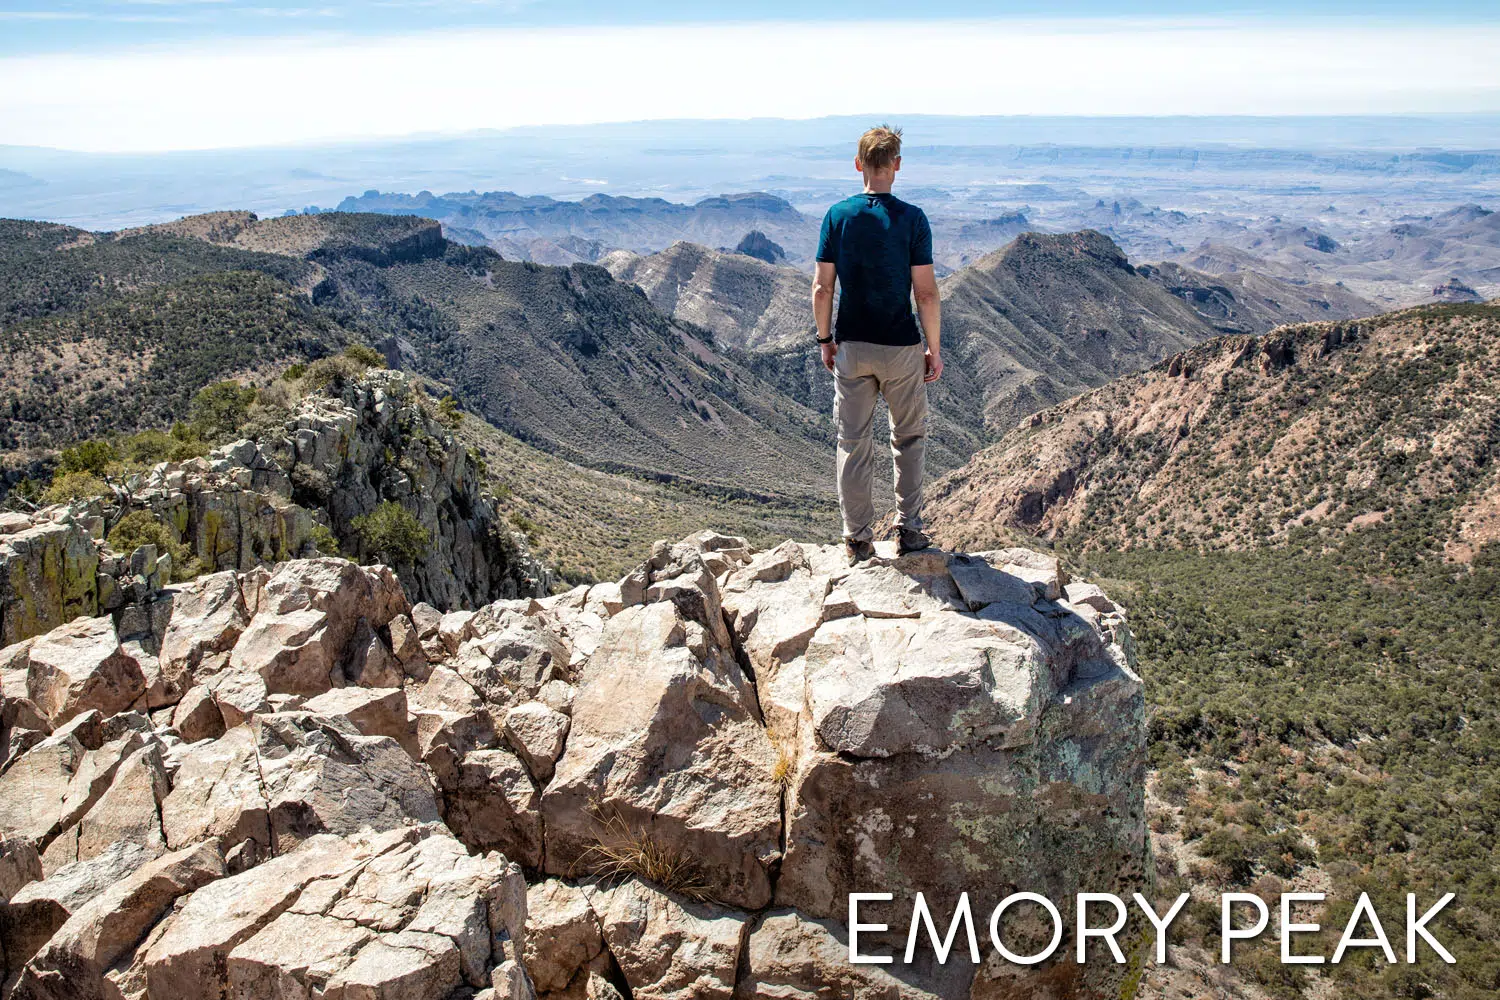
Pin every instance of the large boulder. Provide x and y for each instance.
(71, 966)
(217, 792)
(309, 611)
(36, 910)
(81, 666)
(671, 948)
(666, 748)
(208, 616)
(538, 734)
(491, 804)
(129, 810)
(56, 781)
(563, 940)
(977, 745)
(788, 955)
(407, 913)
(321, 775)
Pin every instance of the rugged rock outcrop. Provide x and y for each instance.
(258, 503)
(317, 789)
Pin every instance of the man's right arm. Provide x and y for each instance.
(822, 303)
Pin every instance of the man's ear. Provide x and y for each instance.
(895, 164)
(859, 167)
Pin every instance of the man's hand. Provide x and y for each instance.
(934, 367)
(830, 349)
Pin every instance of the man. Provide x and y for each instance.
(879, 251)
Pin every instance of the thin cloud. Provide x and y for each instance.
(275, 91)
(43, 15)
(77, 15)
(291, 12)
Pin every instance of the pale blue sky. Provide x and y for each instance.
(146, 75)
(32, 26)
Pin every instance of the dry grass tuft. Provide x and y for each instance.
(785, 745)
(781, 771)
(622, 852)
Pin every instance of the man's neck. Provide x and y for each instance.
(878, 185)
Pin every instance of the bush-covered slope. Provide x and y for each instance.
(47, 268)
(1315, 431)
(135, 359)
(576, 363)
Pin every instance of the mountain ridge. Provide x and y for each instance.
(1312, 430)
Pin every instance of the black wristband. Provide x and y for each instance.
(825, 340)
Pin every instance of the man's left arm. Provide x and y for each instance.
(822, 301)
(929, 312)
(924, 288)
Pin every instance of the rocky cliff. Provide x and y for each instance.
(303, 785)
(341, 454)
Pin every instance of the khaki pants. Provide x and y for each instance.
(861, 372)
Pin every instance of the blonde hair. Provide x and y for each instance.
(879, 147)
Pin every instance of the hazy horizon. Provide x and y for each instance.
(153, 90)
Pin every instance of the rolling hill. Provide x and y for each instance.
(565, 359)
(1313, 431)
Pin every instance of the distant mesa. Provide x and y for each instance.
(1321, 243)
(1464, 213)
(1000, 227)
(549, 230)
(760, 246)
(1454, 290)
(11, 180)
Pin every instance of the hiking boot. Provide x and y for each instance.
(912, 540)
(859, 551)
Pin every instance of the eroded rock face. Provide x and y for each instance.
(252, 503)
(788, 955)
(671, 949)
(338, 794)
(666, 745)
(965, 750)
(321, 775)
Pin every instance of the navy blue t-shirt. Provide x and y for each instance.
(873, 241)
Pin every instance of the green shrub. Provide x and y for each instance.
(295, 372)
(323, 538)
(146, 448)
(219, 409)
(334, 371)
(69, 486)
(87, 456)
(392, 532)
(449, 413)
(140, 527)
(366, 356)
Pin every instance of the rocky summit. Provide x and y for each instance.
(300, 784)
